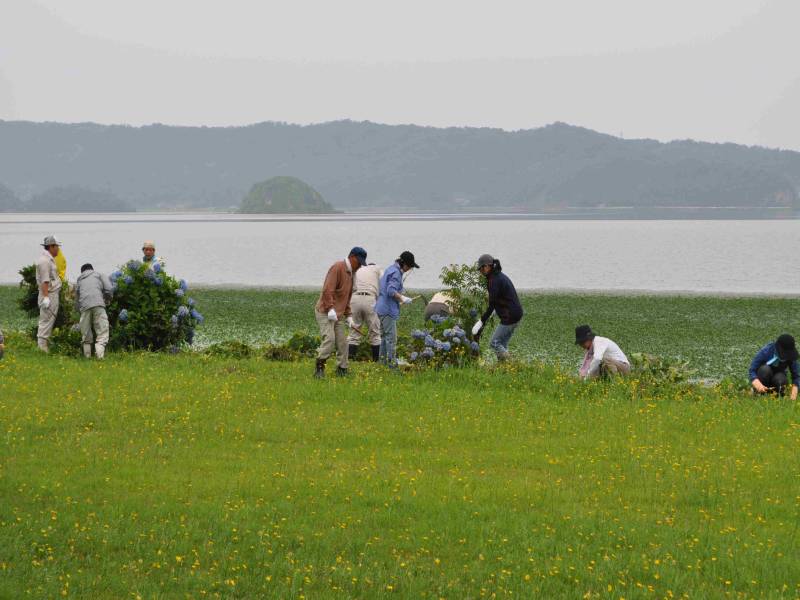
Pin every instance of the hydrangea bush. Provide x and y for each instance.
(444, 342)
(150, 310)
(467, 288)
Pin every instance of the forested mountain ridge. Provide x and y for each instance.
(362, 165)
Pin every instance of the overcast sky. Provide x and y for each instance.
(716, 70)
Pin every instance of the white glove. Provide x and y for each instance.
(405, 299)
(477, 327)
(351, 323)
(332, 315)
(45, 303)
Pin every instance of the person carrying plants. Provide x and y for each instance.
(602, 358)
(388, 305)
(366, 285)
(149, 254)
(504, 301)
(49, 284)
(768, 368)
(92, 292)
(333, 309)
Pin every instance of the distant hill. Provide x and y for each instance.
(284, 195)
(8, 200)
(359, 166)
(74, 198)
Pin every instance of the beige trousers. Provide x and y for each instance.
(47, 320)
(363, 308)
(613, 368)
(98, 319)
(333, 335)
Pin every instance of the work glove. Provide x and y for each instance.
(405, 299)
(351, 323)
(476, 329)
(45, 303)
(332, 316)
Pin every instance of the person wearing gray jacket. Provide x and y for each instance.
(92, 292)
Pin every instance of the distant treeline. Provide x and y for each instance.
(70, 198)
(365, 165)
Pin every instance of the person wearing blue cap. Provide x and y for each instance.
(333, 310)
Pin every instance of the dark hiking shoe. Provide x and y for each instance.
(320, 371)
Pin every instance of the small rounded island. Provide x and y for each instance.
(284, 195)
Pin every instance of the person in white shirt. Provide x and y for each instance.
(366, 285)
(602, 358)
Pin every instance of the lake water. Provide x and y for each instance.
(727, 256)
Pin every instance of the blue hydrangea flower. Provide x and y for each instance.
(447, 333)
(174, 320)
(476, 347)
(157, 267)
(183, 312)
(437, 345)
(157, 280)
(179, 293)
(197, 316)
(446, 346)
(413, 356)
(134, 265)
(418, 334)
(116, 275)
(183, 285)
(427, 353)
(128, 279)
(429, 341)
(456, 340)
(190, 301)
(123, 315)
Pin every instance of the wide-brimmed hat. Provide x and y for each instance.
(50, 240)
(408, 259)
(785, 348)
(360, 254)
(583, 333)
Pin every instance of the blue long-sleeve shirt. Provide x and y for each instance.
(391, 284)
(767, 355)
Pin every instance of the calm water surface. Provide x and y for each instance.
(698, 256)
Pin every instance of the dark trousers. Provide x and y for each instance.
(772, 379)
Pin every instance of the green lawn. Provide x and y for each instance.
(718, 336)
(159, 476)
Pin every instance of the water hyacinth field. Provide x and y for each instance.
(197, 476)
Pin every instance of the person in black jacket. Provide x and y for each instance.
(504, 301)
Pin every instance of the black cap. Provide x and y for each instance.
(785, 348)
(408, 259)
(583, 333)
(360, 254)
(87, 267)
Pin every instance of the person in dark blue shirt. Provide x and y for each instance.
(768, 369)
(504, 301)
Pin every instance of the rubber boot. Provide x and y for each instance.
(376, 353)
(320, 372)
(352, 351)
(341, 372)
(87, 350)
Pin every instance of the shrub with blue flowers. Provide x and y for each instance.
(150, 309)
(444, 342)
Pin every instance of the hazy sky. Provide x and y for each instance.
(717, 70)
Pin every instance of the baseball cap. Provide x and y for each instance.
(408, 259)
(360, 254)
(50, 240)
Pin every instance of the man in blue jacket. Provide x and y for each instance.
(504, 301)
(768, 369)
(387, 307)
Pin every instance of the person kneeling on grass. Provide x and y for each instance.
(603, 357)
(768, 369)
(92, 291)
(2, 344)
(504, 300)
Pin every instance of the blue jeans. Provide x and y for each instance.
(500, 338)
(388, 340)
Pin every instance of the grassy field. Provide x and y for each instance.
(718, 336)
(157, 476)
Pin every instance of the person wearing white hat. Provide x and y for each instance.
(149, 252)
(49, 288)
